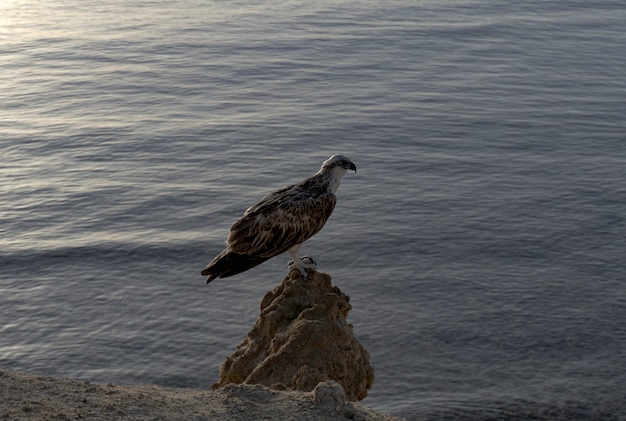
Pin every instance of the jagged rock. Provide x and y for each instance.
(301, 339)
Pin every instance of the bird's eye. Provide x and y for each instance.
(340, 163)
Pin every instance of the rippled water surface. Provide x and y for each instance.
(482, 241)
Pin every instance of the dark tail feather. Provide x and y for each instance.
(229, 264)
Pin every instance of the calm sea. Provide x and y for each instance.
(482, 241)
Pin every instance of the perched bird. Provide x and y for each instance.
(280, 222)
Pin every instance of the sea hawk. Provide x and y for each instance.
(280, 222)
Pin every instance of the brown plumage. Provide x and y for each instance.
(280, 222)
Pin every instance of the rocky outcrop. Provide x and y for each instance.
(301, 339)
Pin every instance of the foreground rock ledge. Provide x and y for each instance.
(301, 338)
(29, 397)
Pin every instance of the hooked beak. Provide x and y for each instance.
(352, 167)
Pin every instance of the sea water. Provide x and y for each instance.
(482, 241)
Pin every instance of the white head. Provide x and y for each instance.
(336, 166)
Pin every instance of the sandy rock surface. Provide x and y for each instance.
(300, 361)
(300, 339)
(29, 397)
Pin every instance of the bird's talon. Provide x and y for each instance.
(308, 260)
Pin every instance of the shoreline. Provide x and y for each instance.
(27, 397)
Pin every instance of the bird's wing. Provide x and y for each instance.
(280, 220)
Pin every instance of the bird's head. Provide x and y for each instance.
(338, 163)
(336, 166)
